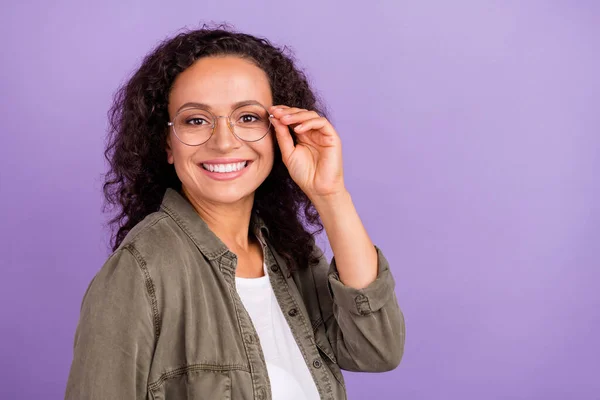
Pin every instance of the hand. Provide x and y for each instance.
(315, 162)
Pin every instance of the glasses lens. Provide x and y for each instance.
(193, 126)
(250, 122)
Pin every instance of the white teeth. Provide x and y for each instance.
(225, 167)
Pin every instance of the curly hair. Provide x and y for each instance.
(139, 173)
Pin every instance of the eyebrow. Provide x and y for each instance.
(207, 107)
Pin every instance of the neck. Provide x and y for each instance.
(230, 222)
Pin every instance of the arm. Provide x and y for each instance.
(351, 245)
(363, 321)
(115, 335)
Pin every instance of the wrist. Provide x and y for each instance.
(331, 200)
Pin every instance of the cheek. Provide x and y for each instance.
(270, 148)
(180, 153)
(170, 156)
(182, 159)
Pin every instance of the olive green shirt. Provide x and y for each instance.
(162, 318)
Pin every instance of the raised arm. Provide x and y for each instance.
(363, 320)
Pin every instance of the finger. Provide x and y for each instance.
(319, 123)
(275, 109)
(280, 112)
(284, 138)
(299, 117)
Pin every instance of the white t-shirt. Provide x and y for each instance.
(288, 372)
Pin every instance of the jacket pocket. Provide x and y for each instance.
(191, 383)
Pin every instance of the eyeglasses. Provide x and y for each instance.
(193, 126)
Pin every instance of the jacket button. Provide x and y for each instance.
(293, 312)
(317, 363)
(274, 268)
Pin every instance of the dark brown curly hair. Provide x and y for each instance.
(139, 173)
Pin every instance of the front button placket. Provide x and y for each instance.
(291, 304)
(254, 352)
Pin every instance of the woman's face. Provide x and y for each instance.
(220, 83)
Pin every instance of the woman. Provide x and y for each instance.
(219, 158)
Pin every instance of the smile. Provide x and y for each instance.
(225, 168)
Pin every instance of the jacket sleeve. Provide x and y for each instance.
(364, 326)
(114, 339)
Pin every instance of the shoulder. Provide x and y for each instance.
(153, 234)
(147, 229)
(127, 263)
(157, 242)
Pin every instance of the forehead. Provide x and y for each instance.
(220, 82)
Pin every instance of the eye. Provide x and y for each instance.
(196, 121)
(248, 118)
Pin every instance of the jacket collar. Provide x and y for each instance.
(185, 215)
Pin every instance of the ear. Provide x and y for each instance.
(170, 158)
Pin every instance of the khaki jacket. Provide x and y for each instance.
(162, 318)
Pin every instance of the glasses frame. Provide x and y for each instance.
(215, 119)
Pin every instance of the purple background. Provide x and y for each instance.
(471, 146)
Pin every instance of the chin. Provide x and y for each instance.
(219, 195)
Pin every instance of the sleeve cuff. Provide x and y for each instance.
(368, 299)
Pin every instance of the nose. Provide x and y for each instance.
(223, 139)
